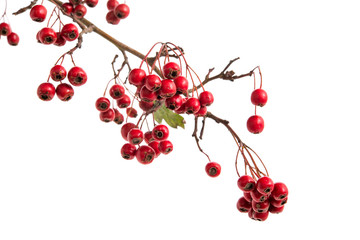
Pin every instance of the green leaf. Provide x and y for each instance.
(172, 119)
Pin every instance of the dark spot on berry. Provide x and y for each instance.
(136, 141)
(72, 35)
(4, 31)
(120, 15)
(68, 98)
(282, 196)
(117, 94)
(159, 134)
(260, 210)
(103, 106)
(58, 77)
(267, 190)
(174, 74)
(249, 186)
(262, 198)
(243, 210)
(78, 80)
(212, 171)
(126, 156)
(168, 150)
(44, 97)
(79, 14)
(38, 20)
(148, 157)
(283, 202)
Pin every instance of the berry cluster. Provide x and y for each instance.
(5, 30)
(116, 12)
(261, 197)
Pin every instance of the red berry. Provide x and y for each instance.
(47, 36)
(60, 41)
(5, 29)
(77, 76)
(174, 102)
(206, 98)
(126, 128)
(119, 118)
(147, 95)
(122, 11)
(265, 185)
(171, 70)
(91, 3)
(260, 206)
(145, 154)
(112, 4)
(166, 147)
(168, 88)
(255, 124)
(213, 169)
(160, 132)
(131, 112)
(38, 36)
(260, 216)
(111, 18)
(64, 92)
(182, 84)
(46, 91)
(148, 137)
(152, 82)
(70, 32)
(128, 151)
(277, 203)
(192, 105)
(124, 101)
(280, 191)
(68, 8)
(146, 106)
(246, 183)
(251, 214)
(273, 209)
(135, 136)
(247, 196)
(137, 77)
(13, 39)
(38, 13)
(108, 115)
(258, 197)
(75, 2)
(58, 73)
(259, 97)
(117, 91)
(155, 145)
(80, 11)
(202, 112)
(181, 109)
(102, 104)
(243, 205)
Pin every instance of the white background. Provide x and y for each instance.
(61, 173)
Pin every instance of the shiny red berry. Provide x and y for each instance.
(259, 97)
(77, 76)
(119, 118)
(152, 82)
(147, 95)
(102, 104)
(260, 206)
(117, 91)
(265, 185)
(160, 132)
(182, 84)
(171, 70)
(155, 145)
(126, 128)
(80, 11)
(124, 101)
(135, 136)
(246, 183)
(192, 105)
(251, 214)
(108, 115)
(58, 73)
(247, 196)
(181, 109)
(70, 32)
(166, 147)
(213, 169)
(260, 216)
(13, 39)
(128, 151)
(122, 11)
(168, 88)
(46, 91)
(112, 4)
(112, 19)
(146, 106)
(277, 203)
(148, 137)
(5, 29)
(280, 191)
(255, 124)
(276, 210)
(64, 92)
(60, 41)
(174, 102)
(243, 205)
(137, 77)
(38, 13)
(68, 8)
(47, 36)
(145, 154)
(206, 98)
(91, 3)
(202, 112)
(258, 197)
(131, 112)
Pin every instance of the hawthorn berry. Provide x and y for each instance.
(192, 105)
(168, 88)
(247, 196)
(77, 76)
(255, 124)
(280, 191)
(171, 70)
(108, 115)
(206, 98)
(259, 97)
(91, 3)
(112, 4)
(38, 13)
(126, 128)
(46, 91)
(160, 132)
(70, 32)
(119, 118)
(147, 95)
(165, 147)
(257, 196)
(251, 214)
(5, 29)
(13, 39)
(112, 18)
(174, 102)
(146, 106)
(131, 112)
(265, 185)
(260, 216)
(124, 101)
(213, 169)
(137, 77)
(47, 36)
(128, 151)
(60, 41)
(145, 154)
(102, 104)
(182, 84)
(135, 136)
(246, 183)
(277, 203)
(152, 82)
(243, 205)
(58, 73)
(155, 146)
(64, 92)
(275, 210)
(122, 11)
(181, 109)
(202, 112)
(260, 206)
(117, 91)
(68, 8)
(148, 137)
(80, 11)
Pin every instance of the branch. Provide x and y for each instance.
(197, 139)
(24, 9)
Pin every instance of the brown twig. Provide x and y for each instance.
(24, 9)
(197, 139)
